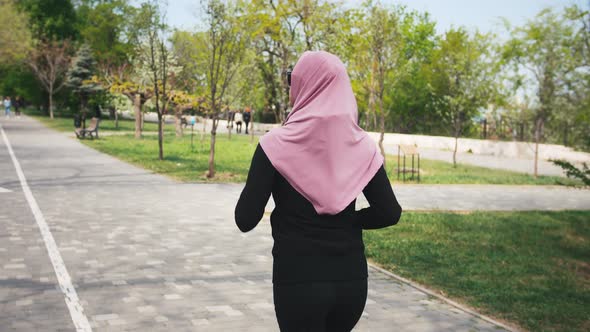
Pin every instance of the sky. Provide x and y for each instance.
(473, 14)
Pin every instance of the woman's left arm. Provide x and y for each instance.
(250, 207)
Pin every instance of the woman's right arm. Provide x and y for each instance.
(384, 210)
(250, 207)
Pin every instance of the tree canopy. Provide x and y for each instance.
(407, 77)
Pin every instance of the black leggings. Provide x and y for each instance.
(320, 306)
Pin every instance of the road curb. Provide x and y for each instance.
(442, 298)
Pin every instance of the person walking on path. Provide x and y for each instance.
(7, 105)
(315, 166)
(247, 115)
(18, 104)
(238, 121)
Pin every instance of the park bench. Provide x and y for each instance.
(90, 130)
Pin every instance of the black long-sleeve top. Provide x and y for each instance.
(309, 246)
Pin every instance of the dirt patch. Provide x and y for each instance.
(574, 238)
(582, 271)
(579, 268)
(219, 177)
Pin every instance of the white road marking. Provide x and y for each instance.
(63, 277)
(4, 190)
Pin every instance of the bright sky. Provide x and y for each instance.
(481, 14)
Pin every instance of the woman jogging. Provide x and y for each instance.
(315, 166)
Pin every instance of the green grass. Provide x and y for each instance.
(440, 172)
(232, 160)
(532, 268)
(233, 157)
(66, 124)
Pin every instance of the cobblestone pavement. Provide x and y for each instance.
(147, 254)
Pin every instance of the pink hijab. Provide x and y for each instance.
(321, 151)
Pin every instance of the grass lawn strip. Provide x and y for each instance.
(233, 157)
(529, 268)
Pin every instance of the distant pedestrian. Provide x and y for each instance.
(18, 104)
(97, 112)
(247, 115)
(230, 119)
(238, 121)
(7, 105)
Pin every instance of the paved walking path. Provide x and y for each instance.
(147, 254)
(520, 165)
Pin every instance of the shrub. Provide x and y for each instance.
(572, 171)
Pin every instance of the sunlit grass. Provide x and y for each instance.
(527, 267)
(233, 157)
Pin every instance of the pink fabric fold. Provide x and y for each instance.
(320, 150)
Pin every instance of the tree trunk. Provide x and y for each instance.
(538, 129)
(178, 121)
(252, 127)
(83, 110)
(279, 112)
(204, 128)
(51, 104)
(211, 172)
(138, 118)
(160, 136)
(371, 110)
(455, 150)
(565, 132)
(382, 136)
(374, 120)
(116, 118)
(229, 128)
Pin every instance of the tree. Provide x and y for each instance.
(79, 77)
(134, 78)
(225, 43)
(156, 60)
(542, 54)
(50, 61)
(180, 102)
(357, 49)
(104, 26)
(318, 21)
(137, 91)
(50, 19)
(15, 37)
(571, 123)
(463, 73)
(409, 97)
(190, 49)
(386, 59)
(275, 39)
